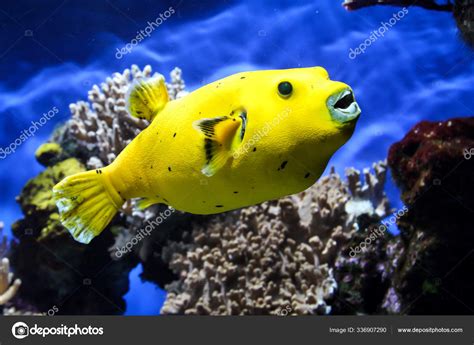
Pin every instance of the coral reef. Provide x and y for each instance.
(288, 256)
(433, 166)
(277, 256)
(302, 235)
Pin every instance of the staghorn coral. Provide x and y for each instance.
(276, 256)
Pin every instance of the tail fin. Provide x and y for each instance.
(87, 203)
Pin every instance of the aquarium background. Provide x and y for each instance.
(52, 52)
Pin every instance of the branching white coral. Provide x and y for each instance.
(7, 289)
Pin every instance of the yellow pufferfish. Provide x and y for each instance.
(239, 141)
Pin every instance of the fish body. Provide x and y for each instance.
(248, 138)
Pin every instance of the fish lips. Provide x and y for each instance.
(343, 107)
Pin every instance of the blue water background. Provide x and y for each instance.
(52, 52)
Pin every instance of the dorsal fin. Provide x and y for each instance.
(146, 97)
(220, 139)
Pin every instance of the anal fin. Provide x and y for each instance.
(144, 203)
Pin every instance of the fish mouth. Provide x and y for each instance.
(343, 107)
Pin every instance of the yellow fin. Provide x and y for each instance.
(147, 202)
(219, 137)
(146, 97)
(86, 205)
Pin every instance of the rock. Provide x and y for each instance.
(55, 269)
(433, 166)
(48, 154)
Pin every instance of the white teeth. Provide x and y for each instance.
(350, 109)
(344, 94)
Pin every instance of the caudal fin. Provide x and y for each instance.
(86, 204)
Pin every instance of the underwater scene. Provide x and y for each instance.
(237, 157)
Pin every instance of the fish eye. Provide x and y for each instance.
(285, 89)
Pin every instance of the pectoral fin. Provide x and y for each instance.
(146, 97)
(221, 138)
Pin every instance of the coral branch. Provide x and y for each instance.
(7, 289)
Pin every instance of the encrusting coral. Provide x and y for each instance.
(273, 258)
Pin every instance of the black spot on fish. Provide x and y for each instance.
(242, 77)
(283, 165)
(235, 192)
(165, 200)
(307, 175)
(169, 168)
(139, 112)
(151, 166)
(254, 149)
(97, 171)
(174, 135)
(219, 205)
